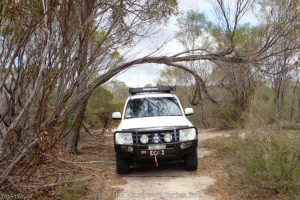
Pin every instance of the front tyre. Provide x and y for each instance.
(191, 161)
(122, 165)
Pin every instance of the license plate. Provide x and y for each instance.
(156, 146)
(157, 152)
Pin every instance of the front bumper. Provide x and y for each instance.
(173, 150)
(140, 152)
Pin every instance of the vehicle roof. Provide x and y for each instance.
(145, 95)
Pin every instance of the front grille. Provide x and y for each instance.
(150, 134)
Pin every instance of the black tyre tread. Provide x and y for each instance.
(191, 161)
(122, 165)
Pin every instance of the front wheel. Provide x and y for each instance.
(191, 161)
(122, 165)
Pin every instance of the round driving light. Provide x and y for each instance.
(144, 139)
(182, 146)
(168, 137)
(130, 149)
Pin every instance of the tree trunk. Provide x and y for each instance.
(293, 100)
(84, 38)
(74, 135)
(278, 98)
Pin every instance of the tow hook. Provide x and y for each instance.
(155, 153)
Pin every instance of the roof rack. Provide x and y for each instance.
(161, 88)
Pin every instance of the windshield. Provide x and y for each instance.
(152, 107)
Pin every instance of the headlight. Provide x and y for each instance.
(168, 137)
(124, 138)
(144, 139)
(187, 134)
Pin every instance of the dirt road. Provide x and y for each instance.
(170, 181)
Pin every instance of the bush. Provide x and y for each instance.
(230, 117)
(268, 161)
(99, 108)
(262, 107)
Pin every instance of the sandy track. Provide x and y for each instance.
(170, 181)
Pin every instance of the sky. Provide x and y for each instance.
(149, 73)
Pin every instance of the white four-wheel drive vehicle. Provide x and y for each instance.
(154, 127)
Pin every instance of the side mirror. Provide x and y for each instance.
(189, 111)
(116, 115)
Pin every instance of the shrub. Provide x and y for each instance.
(230, 117)
(262, 107)
(268, 161)
(99, 108)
